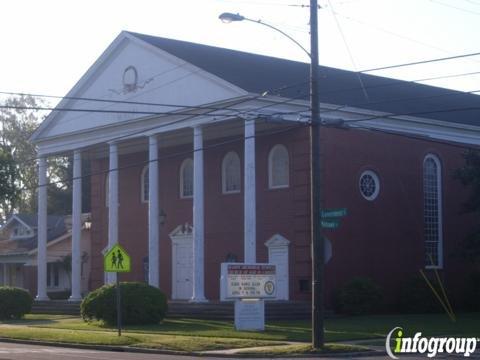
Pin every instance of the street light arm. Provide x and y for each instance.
(227, 17)
(281, 32)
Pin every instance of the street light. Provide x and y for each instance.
(318, 245)
(227, 18)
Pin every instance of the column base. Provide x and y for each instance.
(42, 298)
(75, 298)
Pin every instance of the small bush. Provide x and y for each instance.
(141, 304)
(14, 302)
(415, 297)
(358, 297)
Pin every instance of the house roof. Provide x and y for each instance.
(258, 73)
(55, 228)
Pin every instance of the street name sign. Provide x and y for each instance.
(333, 213)
(330, 224)
(117, 260)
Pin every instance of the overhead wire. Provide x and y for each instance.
(175, 154)
(421, 62)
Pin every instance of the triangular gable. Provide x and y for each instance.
(13, 219)
(133, 70)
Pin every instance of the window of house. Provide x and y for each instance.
(231, 179)
(186, 178)
(432, 212)
(278, 167)
(144, 185)
(369, 185)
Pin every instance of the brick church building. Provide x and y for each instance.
(200, 155)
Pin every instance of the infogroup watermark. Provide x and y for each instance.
(431, 346)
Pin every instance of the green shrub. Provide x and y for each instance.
(141, 304)
(359, 296)
(415, 296)
(14, 302)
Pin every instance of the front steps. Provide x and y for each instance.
(213, 310)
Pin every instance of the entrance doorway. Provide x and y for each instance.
(182, 262)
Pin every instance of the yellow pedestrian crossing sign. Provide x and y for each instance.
(117, 260)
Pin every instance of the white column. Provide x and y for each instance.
(112, 203)
(153, 213)
(250, 207)
(76, 226)
(42, 230)
(198, 217)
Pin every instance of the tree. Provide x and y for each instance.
(8, 176)
(17, 125)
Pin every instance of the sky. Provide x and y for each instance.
(48, 45)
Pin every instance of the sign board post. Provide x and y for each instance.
(248, 285)
(117, 260)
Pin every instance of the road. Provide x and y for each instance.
(10, 351)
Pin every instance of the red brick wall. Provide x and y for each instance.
(382, 239)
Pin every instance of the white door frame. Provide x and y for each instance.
(181, 235)
(278, 242)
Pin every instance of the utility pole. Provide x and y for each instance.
(318, 247)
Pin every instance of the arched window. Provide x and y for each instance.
(144, 185)
(186, 178)
(231, 179)
(278, 167)
(432, 211)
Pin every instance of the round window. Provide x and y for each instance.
(369, 184)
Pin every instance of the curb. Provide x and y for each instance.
(131, 349)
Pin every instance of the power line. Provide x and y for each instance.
(157, 127)
(196, 107)
(389, 32)
(348, 50)
(421, 62)
(455, 7)
(172, 155)
(472, 108)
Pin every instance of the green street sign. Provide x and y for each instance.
(333, 213)
(117, 260)
(330, 224)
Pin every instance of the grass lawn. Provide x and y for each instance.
(200, 335)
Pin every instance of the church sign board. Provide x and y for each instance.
(251, 281)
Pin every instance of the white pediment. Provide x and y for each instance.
(135, 71)
(182, 231)
(277, 240)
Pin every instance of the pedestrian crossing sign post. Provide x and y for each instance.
(117, 260)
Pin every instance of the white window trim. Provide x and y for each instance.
(184, 163)
(439, 210)
(376, 178)
(224, 174)
(270, 168)
(143, 200)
